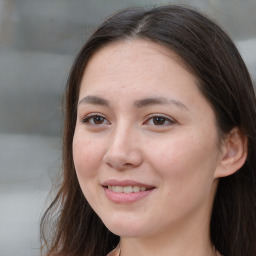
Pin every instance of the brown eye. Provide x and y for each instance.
(95, 120)
(159, 120)
(98, 120)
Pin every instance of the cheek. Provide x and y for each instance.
(185, 161)
(86, 155)
(186, 175)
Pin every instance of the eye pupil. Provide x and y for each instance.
(98, 119)
(158, 120)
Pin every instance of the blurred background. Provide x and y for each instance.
(38, 42)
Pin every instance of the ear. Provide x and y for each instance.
(233, 153)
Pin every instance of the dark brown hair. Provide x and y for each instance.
(222, 77)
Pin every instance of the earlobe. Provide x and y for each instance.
(234, 153)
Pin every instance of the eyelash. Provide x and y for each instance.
(166, 120)
(90, 120)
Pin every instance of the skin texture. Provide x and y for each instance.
(178, 155)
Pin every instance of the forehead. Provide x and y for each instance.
(132, 63)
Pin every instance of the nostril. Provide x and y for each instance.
(128, 164)
(108, 164)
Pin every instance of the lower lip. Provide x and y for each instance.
(122, 198)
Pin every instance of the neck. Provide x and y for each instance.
(166, 247)
(188, 238)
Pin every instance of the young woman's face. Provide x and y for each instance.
(145, 146)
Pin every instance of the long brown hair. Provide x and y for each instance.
(223, 79)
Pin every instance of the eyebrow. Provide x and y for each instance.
(159, 101)
(95, 100)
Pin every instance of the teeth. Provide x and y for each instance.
(119, 189)
(136, 189)
(126, 189)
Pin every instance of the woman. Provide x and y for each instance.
(159, 142)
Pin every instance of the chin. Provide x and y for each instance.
(126, 228)
(126, 232)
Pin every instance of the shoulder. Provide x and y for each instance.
(115, 252)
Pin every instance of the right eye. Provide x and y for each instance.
(95, 120)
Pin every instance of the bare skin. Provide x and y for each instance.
(142, 119)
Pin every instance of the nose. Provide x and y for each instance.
(123, 151)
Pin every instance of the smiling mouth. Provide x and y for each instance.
(127, 189)
(126, 192)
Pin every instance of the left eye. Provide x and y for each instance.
(159, 121)
(95, 120)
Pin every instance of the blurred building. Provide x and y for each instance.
(38, 42)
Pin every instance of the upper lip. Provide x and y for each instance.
(124, 183)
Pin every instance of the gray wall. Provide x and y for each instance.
(38, 41)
